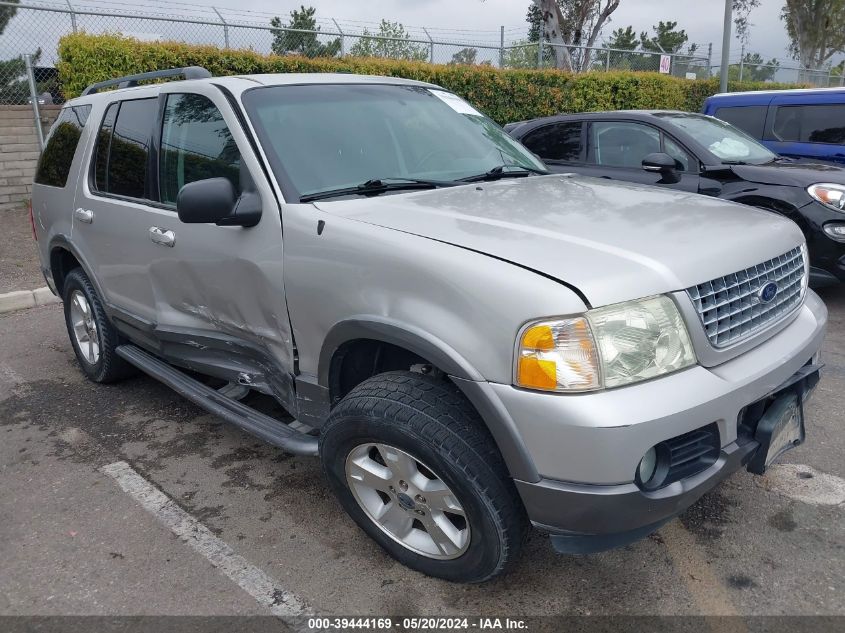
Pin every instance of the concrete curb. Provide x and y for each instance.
(23, 299)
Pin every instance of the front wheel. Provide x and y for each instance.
(411, 462)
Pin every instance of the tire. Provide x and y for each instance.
(93, 337)
(430, 421)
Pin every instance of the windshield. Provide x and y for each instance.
(722, 139)
(324, 137)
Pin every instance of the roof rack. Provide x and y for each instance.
(129, 81)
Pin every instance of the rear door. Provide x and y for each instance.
(111, 209)
(808, 126)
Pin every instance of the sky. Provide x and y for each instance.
(702, 19)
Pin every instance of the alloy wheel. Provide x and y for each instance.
(84, 327)
(407, 500)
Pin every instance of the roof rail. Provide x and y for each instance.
(129, 81)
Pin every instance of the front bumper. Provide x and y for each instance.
(586, 448)
(583, 518)
(827, 255)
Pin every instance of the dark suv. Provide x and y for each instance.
(700, 154)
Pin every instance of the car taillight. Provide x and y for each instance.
(32, 222)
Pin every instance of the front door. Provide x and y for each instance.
(616, 149)
(219, 293)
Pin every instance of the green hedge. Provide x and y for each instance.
(505, 95)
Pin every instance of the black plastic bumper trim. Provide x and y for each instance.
(607, 511)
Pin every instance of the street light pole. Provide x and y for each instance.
(726, 46)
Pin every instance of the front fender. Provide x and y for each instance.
(460, 371)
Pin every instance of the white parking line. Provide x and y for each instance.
(244, 574)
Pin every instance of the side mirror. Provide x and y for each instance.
(664, 165)
(214, 200)
(659, 162)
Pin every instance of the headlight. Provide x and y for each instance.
(606, 347)
(830, 195)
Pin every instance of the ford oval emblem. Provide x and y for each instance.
(767, 292)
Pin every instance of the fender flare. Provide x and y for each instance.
(468, 379)
(61, 241)
(387, 331)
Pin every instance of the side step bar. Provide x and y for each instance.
(268, 429)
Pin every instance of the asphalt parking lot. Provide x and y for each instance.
(75, 542)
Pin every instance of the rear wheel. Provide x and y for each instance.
(93, 337)
(411, 462)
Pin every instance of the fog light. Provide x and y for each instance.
(648, 464)
(835, 230)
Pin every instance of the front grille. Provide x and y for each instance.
(692, 452)
(729, 307)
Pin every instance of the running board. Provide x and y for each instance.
(268, 429)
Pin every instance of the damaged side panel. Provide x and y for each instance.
(453, 300)
(226, 315)
(218, 291)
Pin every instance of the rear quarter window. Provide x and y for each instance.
(822, 123)
(55, 161)
(558, 141)
(749, 119)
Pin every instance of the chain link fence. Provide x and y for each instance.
(828, 78)
(35, 27)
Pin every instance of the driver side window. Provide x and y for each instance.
(195, 144)
(622, 143)
(683, 161)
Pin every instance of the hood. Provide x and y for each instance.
(790, 174)
(614, 241)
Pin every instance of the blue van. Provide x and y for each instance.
(807, 124)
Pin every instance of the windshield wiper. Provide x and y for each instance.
(377, 186)
(503, 171)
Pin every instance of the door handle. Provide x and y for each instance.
(84, 215)
(162, 236)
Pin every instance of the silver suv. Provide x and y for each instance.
(470, 345)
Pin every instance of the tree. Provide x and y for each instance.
(815, 30)
(14, 85)
(741, 10)
(572, 27)
(6, 14)
(666, 39)
(620, 40)
(623, 39)
(391, 41)
(465, 57)
(754, 68)
(522, 54)
(298, 42)
(534, 17)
